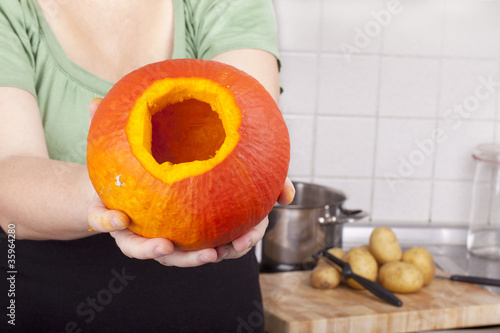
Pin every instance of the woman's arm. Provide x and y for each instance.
(46, 199)
(260, 64)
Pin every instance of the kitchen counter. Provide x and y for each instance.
(463, 263)
(447, 245)
(448, 248)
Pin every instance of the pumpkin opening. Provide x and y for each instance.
(183, 127)
(186, 131)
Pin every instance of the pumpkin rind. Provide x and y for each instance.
(201, 210)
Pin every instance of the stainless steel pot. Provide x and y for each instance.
(313, 221)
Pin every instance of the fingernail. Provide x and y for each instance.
(116, 222)
(291, 195)
(160, 252)
(249, 245)
(226, 252)
(203, 258)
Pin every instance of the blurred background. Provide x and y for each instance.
(386, 100)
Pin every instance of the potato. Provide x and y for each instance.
(325, 277)
(424, 261)
(400, 277)
(336, 252)
(384, 245)
(365, 247)
(363, 264)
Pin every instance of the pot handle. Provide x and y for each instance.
(345, 216)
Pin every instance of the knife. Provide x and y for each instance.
(448, 265)
(470, 279)
(371, 286)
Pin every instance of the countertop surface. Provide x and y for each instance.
(460, 261)
(449, 250)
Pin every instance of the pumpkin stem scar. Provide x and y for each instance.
(191, 143)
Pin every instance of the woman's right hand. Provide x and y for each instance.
(132, 245)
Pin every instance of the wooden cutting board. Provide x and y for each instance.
(291, 304)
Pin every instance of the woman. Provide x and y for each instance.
(56, 56)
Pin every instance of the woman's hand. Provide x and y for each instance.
(132, 245)
(162, 250)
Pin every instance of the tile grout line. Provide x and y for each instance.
(376, 130)
(316, 94)
(437, 116)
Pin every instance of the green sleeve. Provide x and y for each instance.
(214, 27)
(16, 56)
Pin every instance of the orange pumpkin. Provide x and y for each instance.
(194, 151)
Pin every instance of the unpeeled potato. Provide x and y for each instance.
(362, 263)
(325, 276)
(384, 245)
(400, 277)
(336, 252)
(424, 261)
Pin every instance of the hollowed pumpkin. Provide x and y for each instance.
(194, 151)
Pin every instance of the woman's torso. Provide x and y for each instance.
(111, 38)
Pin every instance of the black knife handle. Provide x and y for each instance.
(377, 290)
(475, 279)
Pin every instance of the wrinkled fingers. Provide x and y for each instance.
(181, 258)
(135, 246)
(244, 243)
(102, 219)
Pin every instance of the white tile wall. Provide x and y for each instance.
(343, 25)
(344, 147)
(405, 148)
(300, 72)
(301, 130)
(413, 94)
(402, 203)
(451, 209)
(386, 99)
(454, 155)
(348, 88)
(472, 29)
(465, 82)
(417, 30)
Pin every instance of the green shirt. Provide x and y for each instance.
(32, 59)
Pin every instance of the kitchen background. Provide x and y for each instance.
(386, 101)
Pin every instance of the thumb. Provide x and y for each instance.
(102, 219)
(287, 194)
(94, 104)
